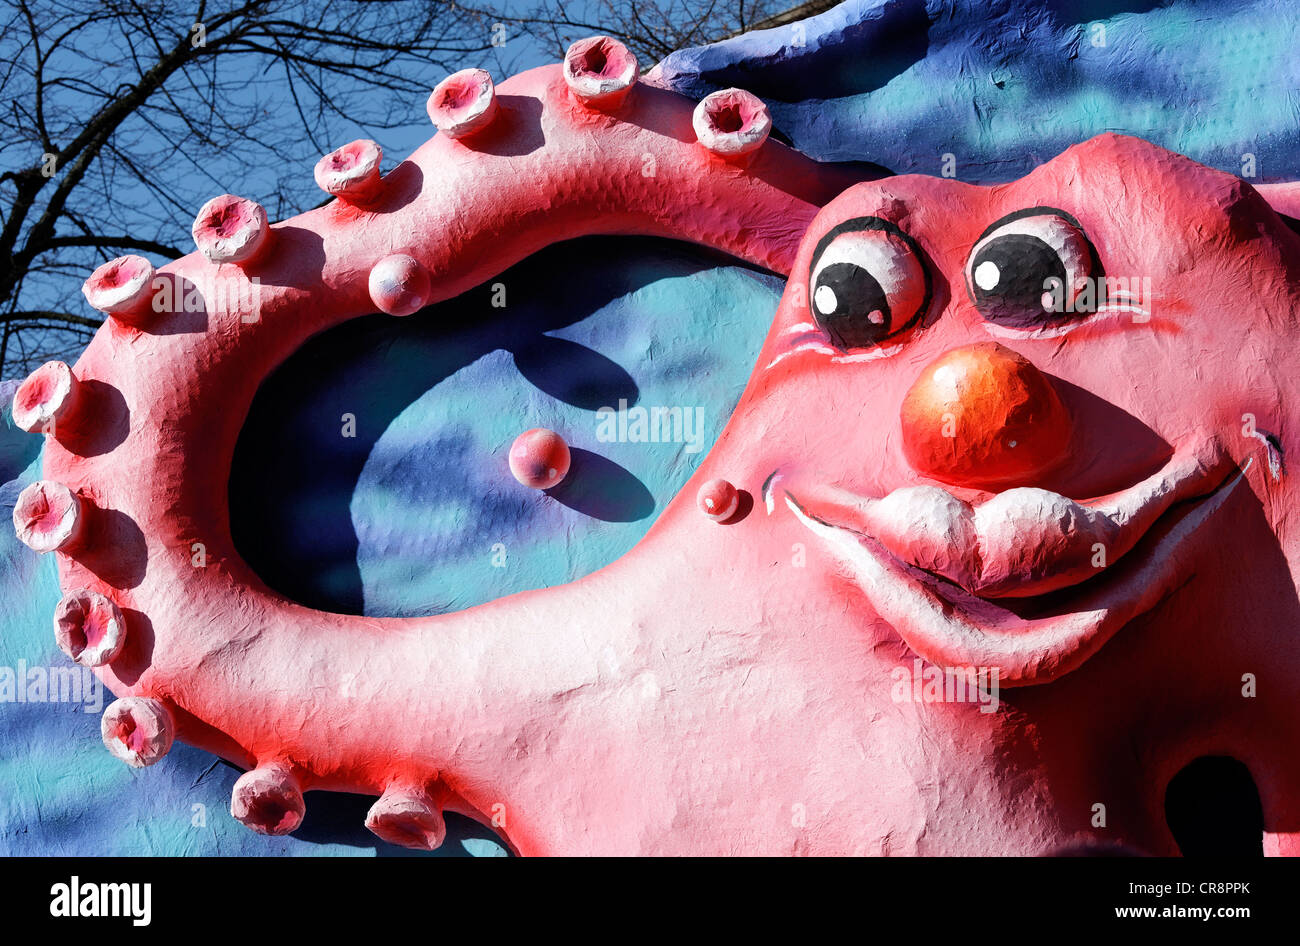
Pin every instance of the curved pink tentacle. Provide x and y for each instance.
(339, 702)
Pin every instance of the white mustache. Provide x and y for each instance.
(1020, 542)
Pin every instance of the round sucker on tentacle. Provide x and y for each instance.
(306, 699)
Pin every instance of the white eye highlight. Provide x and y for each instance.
(825, 300)
(987, 275)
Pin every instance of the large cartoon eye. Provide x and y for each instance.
(867, 283)
(1032, 267)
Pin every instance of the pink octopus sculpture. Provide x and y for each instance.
(1012, 538)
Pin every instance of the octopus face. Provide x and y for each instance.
(1034, 381)
(1035, 433)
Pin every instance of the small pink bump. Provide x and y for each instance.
(718, 500)
(138, 730)
(47, 398)
(89, 628)
(732, 122)
(399, 285)
(268, 800)
(463, 103)
(600, 71)
(352, 171)
(539, 458)
(230, 229)
(122, 288)
(407, 817)
(48, 517)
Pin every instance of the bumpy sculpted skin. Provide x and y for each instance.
(1035, 432)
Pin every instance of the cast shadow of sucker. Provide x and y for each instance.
(600, 488)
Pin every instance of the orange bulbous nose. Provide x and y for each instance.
(984, 417)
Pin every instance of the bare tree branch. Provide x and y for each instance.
(68, 317)
(123, 116)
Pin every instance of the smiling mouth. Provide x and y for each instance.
(1028, 582)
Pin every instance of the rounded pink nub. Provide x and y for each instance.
(600, 71)
(268, 800)
(89, 628)
(47, 398)
(718, 499)
(121, 287)
(539, 458)
(230, 229)
(352, 171)
(399, 285)
(463, 103)
(48, 516)
(408, 818)
(732, 122)
(138, 730)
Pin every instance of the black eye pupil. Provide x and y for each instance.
(850, 305)
(1010, 277)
